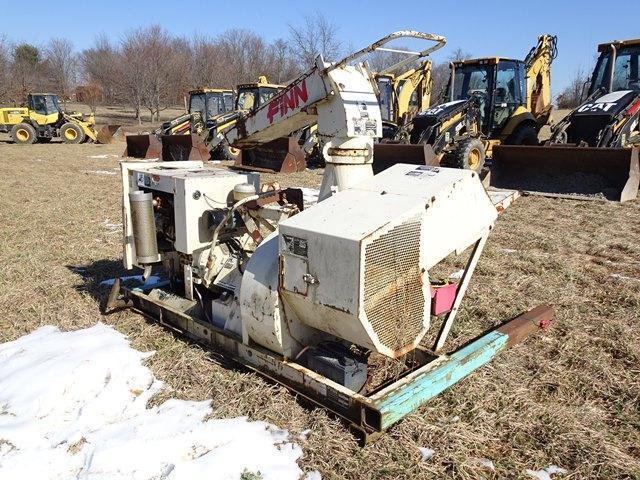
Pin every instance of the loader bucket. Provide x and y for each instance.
(282, 155)
(583, 173)
(386, 155)
(142, 146)
(183, 147)
(110, 134)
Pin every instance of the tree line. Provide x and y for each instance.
(149, 69)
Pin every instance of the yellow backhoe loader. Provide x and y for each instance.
(42, 119)
(492, 101)
(179, 138)
(281, 155)
(593, 152)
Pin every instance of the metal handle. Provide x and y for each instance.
(439, 40)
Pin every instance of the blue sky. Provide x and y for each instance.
(492, 27)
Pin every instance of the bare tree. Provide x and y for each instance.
(571, 96)
(101, 66)
(440, 76)
(25, 68)
(4, 69)
(206, 62)
(316, 35)
(459, 55)
(62, 65)
(283, 67)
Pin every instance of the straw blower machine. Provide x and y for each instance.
(314, 298)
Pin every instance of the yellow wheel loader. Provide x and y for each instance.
(179, 138)
(43, 119)
(593, 151)
(491, 101)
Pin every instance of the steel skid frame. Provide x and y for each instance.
(368, 416)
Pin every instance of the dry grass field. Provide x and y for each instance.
(569, 396)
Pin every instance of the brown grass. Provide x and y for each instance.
(569, 397)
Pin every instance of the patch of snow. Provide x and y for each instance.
(313, 475)
(111, 226)
(74, 405)
(508, 250)
(99, 172)
(426, 453)
(304, 434)
(546, 473)
(484, 463)
(457, 275)
(106, 155)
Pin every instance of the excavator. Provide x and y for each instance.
(593, 152)
(492, 101)
(173, 140)
(43, 119)
(329, 288)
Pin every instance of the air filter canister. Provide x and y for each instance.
(144, 227)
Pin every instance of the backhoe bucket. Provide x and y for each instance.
(183, 147)
(386, 155)
(143, 146)
(583, 173)
(110, 134)
(282, 155)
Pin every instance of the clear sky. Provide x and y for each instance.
(492, 27)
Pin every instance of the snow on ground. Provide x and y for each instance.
(74, 405)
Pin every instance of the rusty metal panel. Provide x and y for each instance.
(386, 155)
(142, 146)
(567, 171)
(282, 155)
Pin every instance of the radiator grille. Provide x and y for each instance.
(393, 296)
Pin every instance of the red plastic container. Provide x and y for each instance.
(442, 297)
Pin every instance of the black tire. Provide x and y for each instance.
(525, 134)
(226, 152)
(469, 155)
(23, 134)
(71, 133)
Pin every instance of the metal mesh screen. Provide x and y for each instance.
(393, 297)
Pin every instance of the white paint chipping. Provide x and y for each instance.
(74, 405)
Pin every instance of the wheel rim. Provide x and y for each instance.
(234, 151)
(70, 134)
(474, 158)
(22, 134)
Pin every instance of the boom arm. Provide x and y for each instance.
(538, 65)
(415, 80)
(338, 96)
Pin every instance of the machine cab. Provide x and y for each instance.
(210, 103)
(499, 84)
(617, 68)
(44, 107)
(252, 95)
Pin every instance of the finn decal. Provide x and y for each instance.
(288, 100)
(296, 245)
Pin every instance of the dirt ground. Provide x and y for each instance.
(569, 396)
